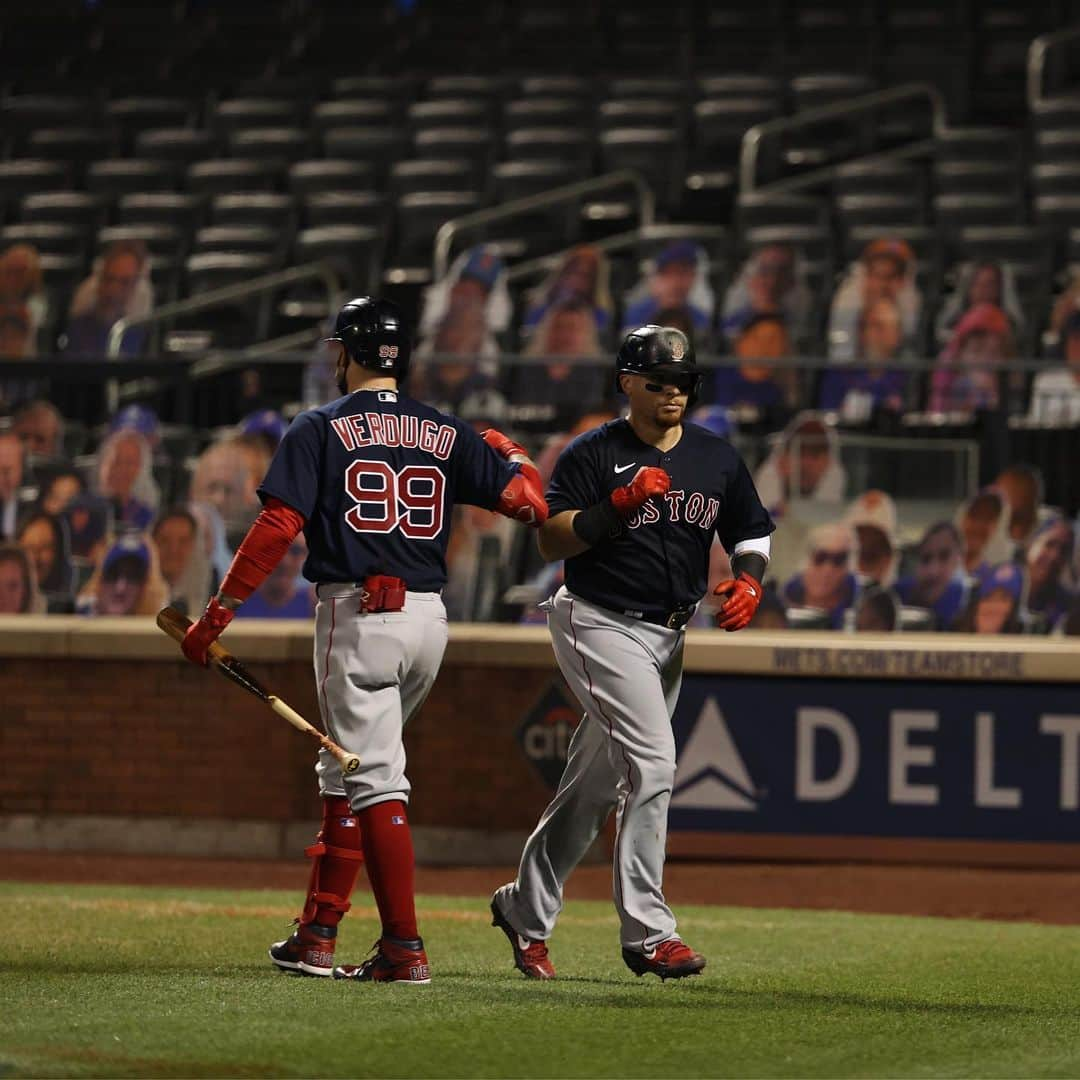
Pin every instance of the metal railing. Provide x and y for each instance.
(567, 193)
(619, 242)
(1039, 52)
(750, 151)
(227, 294)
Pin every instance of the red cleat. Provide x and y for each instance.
(530, 957)
(309, 950)
(670, 959)
(394, 961)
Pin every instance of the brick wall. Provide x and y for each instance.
(149, 738)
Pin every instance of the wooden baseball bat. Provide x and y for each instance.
(175, 625)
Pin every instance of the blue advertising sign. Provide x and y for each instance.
(885, 758)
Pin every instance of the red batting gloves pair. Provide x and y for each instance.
(202, 634)
(504, 446)
(648, 481)
(743, 596)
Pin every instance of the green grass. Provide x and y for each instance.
(110, 981)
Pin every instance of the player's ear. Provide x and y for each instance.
(624, 383)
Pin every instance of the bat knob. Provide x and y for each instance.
(351, 764)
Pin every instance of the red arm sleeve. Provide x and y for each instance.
(262, 549)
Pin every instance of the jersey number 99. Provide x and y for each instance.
(410, 500)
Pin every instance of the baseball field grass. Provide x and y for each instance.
(139, 981)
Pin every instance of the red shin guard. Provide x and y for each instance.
(389, 853)
(337, 855)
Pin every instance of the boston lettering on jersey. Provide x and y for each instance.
(376, 476)
(661, 561)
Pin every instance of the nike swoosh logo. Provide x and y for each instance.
(623, 468)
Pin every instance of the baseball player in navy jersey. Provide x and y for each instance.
(371, 479)
(634, 505)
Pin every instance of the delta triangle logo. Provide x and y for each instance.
(710, 773)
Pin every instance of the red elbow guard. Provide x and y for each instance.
(523, 498)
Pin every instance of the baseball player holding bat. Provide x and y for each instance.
(634, 506)
(371, 479)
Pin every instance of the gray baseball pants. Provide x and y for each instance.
(372, 673)
(626, 674)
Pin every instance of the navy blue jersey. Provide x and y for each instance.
(661, 561)
(376, 476)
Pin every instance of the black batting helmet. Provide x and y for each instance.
(658, 350)
(374, 335)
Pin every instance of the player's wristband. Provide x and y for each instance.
(749, 562)
(597, 524)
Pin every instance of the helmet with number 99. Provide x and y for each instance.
(660, 351)
(374, 335)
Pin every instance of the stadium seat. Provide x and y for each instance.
(282, 144)
(181, 209)
(1059, 146)
(641, 113)
(476, 144)
(720, 124)
(577, 87)
(330, 174)
(269, 208)
(977, 178)
(953, 212)
(75, 145)
(537, 111)
(183, 145)
(345, 208)
(1058, 179)
(354, 250)
(120, 176)
(753, 210)
(219, 175)
(449, 112)
(657, 153)
(237, 114)
(22, 114)
(477, 87)
(567, 144)
(977, 144)
(419, 216)
(81, 208)
(648, 87)
(131, 115)
(884, 211)
(393, 89)
(879, 178)
(765, 87)
(354, 112)
(27, 176)
(378, 147)
(54, 237)
(159, 239)
(260, 239)
(432, 174)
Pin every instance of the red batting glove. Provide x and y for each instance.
(202, 634)
(504, 446)
(648, 481)
(743, 596)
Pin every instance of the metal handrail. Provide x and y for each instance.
(321, 270)
(619, 241)
(751, 142)
(1036, 61)
(444, 238)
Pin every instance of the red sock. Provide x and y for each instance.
(338, 856)
(388, 850)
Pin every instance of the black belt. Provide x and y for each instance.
(673, 620)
